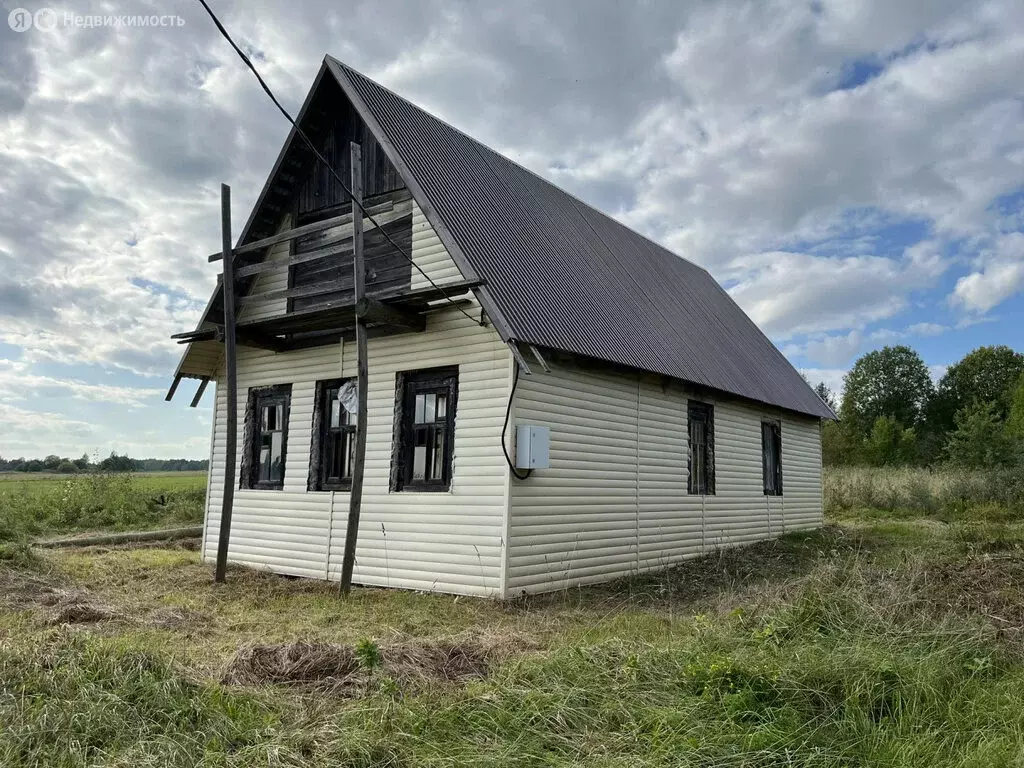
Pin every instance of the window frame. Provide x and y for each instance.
(258, 398)
(320, 434)
(697, 410)
(407, 385)
(771, 429)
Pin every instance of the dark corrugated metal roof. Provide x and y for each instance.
(566, 276)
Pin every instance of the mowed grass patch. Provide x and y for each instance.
(872, 642)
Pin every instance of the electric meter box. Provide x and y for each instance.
(533, 446)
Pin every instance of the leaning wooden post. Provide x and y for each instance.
(232, 384)
(359, 293)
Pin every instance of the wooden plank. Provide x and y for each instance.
(355, 498)
(260, 341)
(320, 287)
(232, 385)
(199, 392)
(330, 249)
(306, 229)
(378, 312)
(174, 388)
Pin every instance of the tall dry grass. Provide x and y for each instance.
(939, 491)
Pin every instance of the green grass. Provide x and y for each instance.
(70, 503)
(161, 481)
(888, 638)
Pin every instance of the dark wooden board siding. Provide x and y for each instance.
(387, 269)
(322, 190)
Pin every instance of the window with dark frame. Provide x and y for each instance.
(701, 424)
(771, 457)
(266, 437)
(425, 430)
(334, 433)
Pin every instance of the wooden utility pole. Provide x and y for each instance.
(232, 384)
(359, 285)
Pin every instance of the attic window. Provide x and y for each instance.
(266, 437)
(425, 430)
(701, 423)
(771, 457)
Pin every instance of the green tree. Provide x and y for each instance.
(51, 462)
(116, 463)
(839, 445)
(890, 444)
(891, 382)
(828, 397)
(82, 463)
(986, 375)
(980, 439)
(67, 467)
(1015, 419)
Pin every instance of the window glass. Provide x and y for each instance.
(771, 457)
(422, 455)
(334, 441)
(701, 479)
(263, 462)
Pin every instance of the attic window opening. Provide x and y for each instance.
(771, 457)
(701, 425)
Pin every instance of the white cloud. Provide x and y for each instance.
(25, 431)
(832, 351)
(718, 129)
(1000, 275)
(18, 383)
(927, 329)
(793, 293)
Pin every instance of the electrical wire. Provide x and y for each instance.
(504, 428)
(322, 159)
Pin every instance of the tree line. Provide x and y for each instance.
(113, 463)
(891, 413)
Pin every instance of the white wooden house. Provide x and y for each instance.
(675, 426)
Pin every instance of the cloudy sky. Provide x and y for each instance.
(852, 172)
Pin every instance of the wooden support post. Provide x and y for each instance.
(228, 284)
(359, 458)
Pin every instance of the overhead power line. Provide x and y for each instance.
(322, 159)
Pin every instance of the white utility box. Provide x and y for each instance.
(533, 445)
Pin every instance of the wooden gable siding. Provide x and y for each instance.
(321, 190)
(387, 269)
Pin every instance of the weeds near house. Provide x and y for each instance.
(894, 637)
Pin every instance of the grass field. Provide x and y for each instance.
(158, 481)
(37, 504)
(886, 638)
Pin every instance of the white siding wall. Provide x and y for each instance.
(275, 279)
(445, 541)
(429, 254)
(615, 499)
